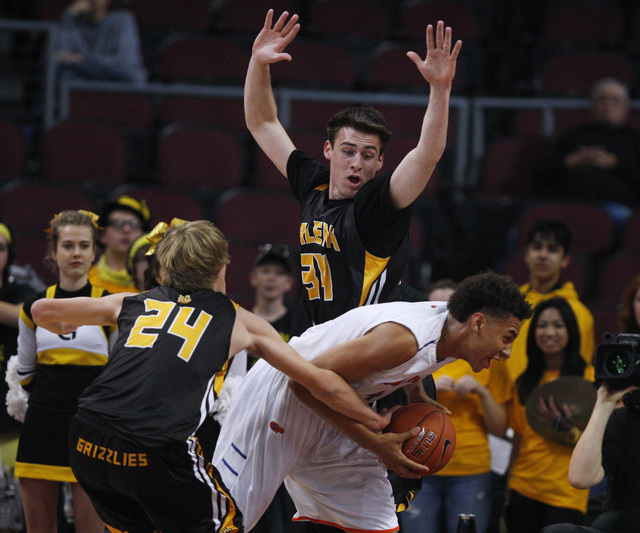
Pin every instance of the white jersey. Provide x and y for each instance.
(268, 434)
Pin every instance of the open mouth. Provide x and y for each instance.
(354, 179)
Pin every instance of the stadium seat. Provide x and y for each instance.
(82, 151)
(12, 152)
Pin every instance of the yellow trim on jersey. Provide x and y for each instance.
(66, 356)
(27, 320)
(235, 305)
(49, 472)
(322, 187)
(227, 525)
(51, 291)
(373, 268)
(220, 377)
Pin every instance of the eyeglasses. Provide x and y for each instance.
(278, 249)
(119, 223)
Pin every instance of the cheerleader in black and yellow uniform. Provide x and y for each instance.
(55, 369)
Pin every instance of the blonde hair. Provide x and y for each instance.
(192, 255)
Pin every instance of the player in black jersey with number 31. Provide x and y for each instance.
(132, 442)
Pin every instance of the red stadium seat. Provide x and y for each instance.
(129, 110)
(80, 151)
(225, 113)
(191, 156)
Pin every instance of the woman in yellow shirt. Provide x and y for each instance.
(539, 490)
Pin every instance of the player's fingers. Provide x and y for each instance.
(269, 19)
(447, 39)
(414, 57)
(430, 43)
(280, 22)
(440, 35)
(290, 25)
(456, 50)
(439, 406)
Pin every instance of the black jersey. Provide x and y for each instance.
(353, 252)
(166, 368)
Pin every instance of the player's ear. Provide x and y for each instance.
(477, 321)
(380, 161)
(328, 150)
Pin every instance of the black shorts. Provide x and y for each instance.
(171, 488)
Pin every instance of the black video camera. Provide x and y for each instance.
(617, 361)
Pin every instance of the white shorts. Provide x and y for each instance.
(268, 435)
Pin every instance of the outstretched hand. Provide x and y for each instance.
(274, 38)
(439, 67)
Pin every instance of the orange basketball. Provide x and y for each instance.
(434, 445)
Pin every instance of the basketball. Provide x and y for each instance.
(434, 445)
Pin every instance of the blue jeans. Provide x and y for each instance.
(443, 498)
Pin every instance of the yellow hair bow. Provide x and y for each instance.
(158, 233)
(94, 218)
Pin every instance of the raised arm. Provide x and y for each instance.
(64, 315)
(261, 113)
(585, 469)
(438, 69)
(260, 338)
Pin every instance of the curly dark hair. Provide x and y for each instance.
(572, 365)
(490, 293)
(363, 119)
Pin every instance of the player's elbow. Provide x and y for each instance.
(42, 311)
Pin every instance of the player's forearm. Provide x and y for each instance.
(337, 394)
(435, 125)
(354, 430)
(585, 469)
(414, 171)
(259, 102)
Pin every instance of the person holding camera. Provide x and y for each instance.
(609, 447)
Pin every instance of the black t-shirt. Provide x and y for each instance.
(353, 252)
(621, 463)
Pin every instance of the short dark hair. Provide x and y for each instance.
(490, 293)
(364, 119)
(553, 230)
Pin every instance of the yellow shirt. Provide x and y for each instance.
(113, 281)
(541, 470)
(472, 454)
(518, 360)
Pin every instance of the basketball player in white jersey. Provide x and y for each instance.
(269, 434)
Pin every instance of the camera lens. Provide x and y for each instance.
(617, 363)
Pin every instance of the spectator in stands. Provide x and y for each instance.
(16, 285)
(123, 220)
(139, 264)
(441, 290)
(272, 277)
(547, 255)
(96, 43)
(539, 489)
(598, 161)
(478, 405)
(629, 318)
